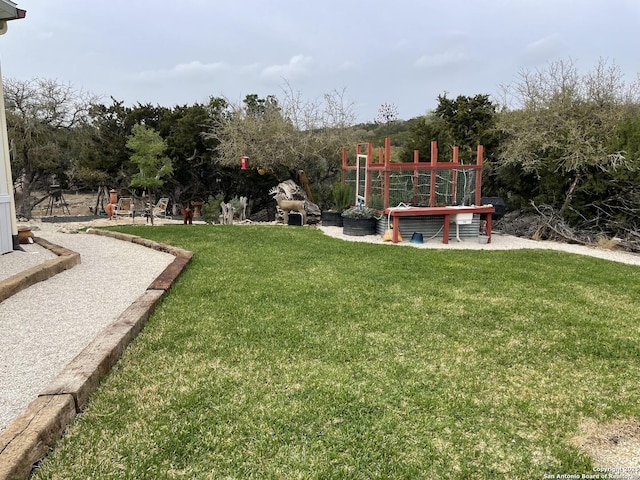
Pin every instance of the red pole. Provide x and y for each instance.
(479, 175)
(387, 169)
(434, 173)
(387, 148)
(416, 174)
(454, 177)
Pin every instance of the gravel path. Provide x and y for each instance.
(498, 242)
(45, 326)
(18, 261)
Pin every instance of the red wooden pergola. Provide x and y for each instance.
(385, 168)
(430, 188)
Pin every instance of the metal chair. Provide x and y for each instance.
(160, 208)
(124, 208)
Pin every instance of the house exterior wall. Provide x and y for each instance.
(8, 224)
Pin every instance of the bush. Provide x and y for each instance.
(359, 212)
(340, 197)
(211, 209)
(376, 202)
(237, 206)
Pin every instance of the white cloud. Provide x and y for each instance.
(298, 66)
(348, 65)
(197, 67)
(194, 70)
(451, 51)
(543, 50)
(441, 59)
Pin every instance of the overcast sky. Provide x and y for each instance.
(404, 52)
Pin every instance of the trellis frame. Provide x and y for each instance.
(384, 166)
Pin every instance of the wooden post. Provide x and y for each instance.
(416, 174)
(454, 176)
(434, 173)
(387, 178)
(387, 148)
(479, 174)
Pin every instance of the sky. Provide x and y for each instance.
(404, 53)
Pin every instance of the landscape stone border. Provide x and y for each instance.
(28, 439)
(65, 260)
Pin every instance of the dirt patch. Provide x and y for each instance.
(77, 214)
(77, 204)
(70, 204)
(612, 445)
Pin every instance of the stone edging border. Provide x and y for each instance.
(66, 259)
(35, 431)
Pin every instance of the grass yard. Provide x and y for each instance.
(284, 353)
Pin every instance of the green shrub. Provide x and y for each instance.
(376, 202)
(359, 212)
(237, 206)
(211, 209)
(341, 197)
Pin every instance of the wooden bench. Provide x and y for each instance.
(398, 212)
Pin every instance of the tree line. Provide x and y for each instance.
(559, 138)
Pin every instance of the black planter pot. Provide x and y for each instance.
(331, 219)
(359, 226)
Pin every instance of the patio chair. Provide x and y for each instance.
(160, 208)
(124, 208)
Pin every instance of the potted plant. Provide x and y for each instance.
(339, 200)
(359, 221)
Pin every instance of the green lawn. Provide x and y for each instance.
(284, 353)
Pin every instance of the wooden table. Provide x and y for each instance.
(396, 213)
